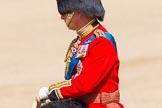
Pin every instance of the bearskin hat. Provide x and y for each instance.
(92, 7)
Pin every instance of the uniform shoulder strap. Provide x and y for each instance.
(100, 33)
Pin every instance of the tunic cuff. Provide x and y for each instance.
(55, 95)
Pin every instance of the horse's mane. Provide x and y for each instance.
(65, 103)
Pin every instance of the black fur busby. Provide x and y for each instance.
(92, 7)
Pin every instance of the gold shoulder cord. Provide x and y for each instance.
(69, 54)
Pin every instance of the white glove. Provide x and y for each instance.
(42, 94)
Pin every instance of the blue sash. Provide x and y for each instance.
(75, 60)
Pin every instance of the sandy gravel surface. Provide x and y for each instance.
(33, 44)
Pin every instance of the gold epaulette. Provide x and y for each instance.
(99, 33)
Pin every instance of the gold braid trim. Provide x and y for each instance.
(58, 94)
(57, 88)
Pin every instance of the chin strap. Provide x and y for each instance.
(69, 18)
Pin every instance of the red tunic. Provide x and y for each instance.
(99, 71)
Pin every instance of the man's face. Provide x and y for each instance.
(73, 23)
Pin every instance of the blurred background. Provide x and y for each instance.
(34, 41)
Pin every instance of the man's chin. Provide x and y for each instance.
(71, 28)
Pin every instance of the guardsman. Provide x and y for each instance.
(91, 73)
